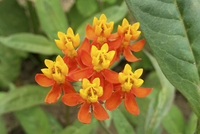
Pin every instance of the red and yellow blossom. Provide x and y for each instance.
(128, 89)
(55, 75)
(97, 62)
(100, 32)
(66, 43)
(129, 33)
(90, 97)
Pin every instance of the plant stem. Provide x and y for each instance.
(106, 130)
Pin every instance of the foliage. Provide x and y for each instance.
(170, 58)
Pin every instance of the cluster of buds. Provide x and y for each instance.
(90, 63)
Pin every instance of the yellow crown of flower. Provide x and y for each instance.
(56, 70)
(91, 91)
(128, 79)
(101, 58)
(68, 41)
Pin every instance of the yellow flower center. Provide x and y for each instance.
(128, 79)
(56, 70)
(101, 58)
(91, 91)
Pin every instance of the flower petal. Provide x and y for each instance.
(67, 87)
(53, 94)
(72, 99)
(114, 101)
(86, 58)
(129, 56)
(84, 114)
(80, 74)
(115, 44)
(110, 76)
(131, 104)
(141, 92)
(98, 75)
(99, 112)
(42, 80)
(137, 46)
(84, 46)
(107, 91)
(90, 33)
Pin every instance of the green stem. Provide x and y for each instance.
(106, 130)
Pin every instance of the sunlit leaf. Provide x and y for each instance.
(192, 124)
(30, 43)
(34, 121)
(23, 97)
(172, 29)
(174, 122)
(52, 17)
(160, 105)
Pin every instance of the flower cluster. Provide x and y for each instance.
(90, 64)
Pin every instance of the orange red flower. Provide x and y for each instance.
(55, 75)
(128, 89)
(90, 97)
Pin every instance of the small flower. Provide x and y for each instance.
(129, 33)
(127, 89)
(89, 97)
(55, 75)
(100, 32)
(97, 64)
(67, 42)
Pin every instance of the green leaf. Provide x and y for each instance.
(2, 126)
(55, 126)
(87, 8)
(30, 43)
(34, 121)
(160, 105)
(13, 18)
(51, 17)
(192, 124)
(174, 122)
(172, 29)
(81, 128)
(114, 13)
(10, 64)
(23, 97)
(121, 123)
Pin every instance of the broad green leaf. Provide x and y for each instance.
(10, 64)
(2, 126)
(81, 128)
(172, 29)
(30, 43)
(121, 123)
(34, 121)
(13, 18)
(52, 17)
(160, 105)
(174, 122)
(23, 97)
(192, 124)
(55, 126)
(114, 13)
(87, 8)
(2, 94)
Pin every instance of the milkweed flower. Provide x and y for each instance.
(67, 43)
(90, 97)
(97, 64)
(128, 33)
(100, 32)
(127, 89)
(55, 75)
